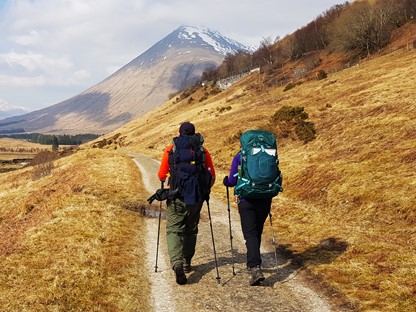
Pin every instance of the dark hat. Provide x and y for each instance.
(187, 128)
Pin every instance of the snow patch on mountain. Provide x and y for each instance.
(8, 110)
(185, 39)
(212, 38)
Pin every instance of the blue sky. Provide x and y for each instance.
(51, 50)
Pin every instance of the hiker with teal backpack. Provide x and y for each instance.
(188, 165)
(256, 179)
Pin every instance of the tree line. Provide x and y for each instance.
(47, 139)
(360, 27)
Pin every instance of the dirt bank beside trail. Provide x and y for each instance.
(283, 290)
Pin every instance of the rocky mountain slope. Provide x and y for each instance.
(171, 64)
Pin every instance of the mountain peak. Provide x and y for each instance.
(172, 64)
(4, 105)
(8, 110)
(209, 38)
(186, 38)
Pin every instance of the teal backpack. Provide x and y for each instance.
(259, 175)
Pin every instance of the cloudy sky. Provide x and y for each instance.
(51, 50)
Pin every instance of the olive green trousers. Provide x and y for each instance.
(181, 230)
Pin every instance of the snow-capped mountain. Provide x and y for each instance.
(173, 63)
(191, 37)
(211, 38)
(7, 110)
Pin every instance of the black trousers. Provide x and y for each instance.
(253, 214)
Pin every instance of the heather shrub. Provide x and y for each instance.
(321, 75)
(43, 164)
(290, 122)
(290, 114)
(289, 86)
(305, 131)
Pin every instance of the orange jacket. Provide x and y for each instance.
(164, 165)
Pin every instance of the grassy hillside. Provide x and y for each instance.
(348, 211)
(68, 243)
(12, 149)
(9, 143)
(347, 215)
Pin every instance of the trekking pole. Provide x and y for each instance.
(273, 240)
(213, 244)
(231, 235)
(158, 229)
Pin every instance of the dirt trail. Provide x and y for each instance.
(282, 289)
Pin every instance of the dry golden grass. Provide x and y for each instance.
(17, 149)
(348, 211)
(68, 241)
(16, 144)
(13, 148)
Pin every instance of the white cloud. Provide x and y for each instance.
(77, 43)
(19, 82)
(26, 40)
(32, 61)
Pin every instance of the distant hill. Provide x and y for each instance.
(7, 110)
(170, 65)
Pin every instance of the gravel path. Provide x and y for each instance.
(282, 289)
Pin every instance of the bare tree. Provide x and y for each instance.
(394, 10)
(363, 27)
(409, 9)
(210, 74)
(315, 35)
(264, 54)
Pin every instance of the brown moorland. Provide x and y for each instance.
(352, 187)
(71, 241)
(10, 143)
(15, 148)
(19, 150)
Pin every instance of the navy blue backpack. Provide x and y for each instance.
(189, 178)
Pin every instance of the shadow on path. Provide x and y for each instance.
(288, 264)
(224, 263)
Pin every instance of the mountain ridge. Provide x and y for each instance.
(173, 63)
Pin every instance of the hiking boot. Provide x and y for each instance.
(180, 274)
(187, 265)
(256, 276)
(187, 268)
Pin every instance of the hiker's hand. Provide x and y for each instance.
(225, 181)
(160, 195)
(151, 199)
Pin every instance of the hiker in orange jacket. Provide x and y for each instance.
(191, 174)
